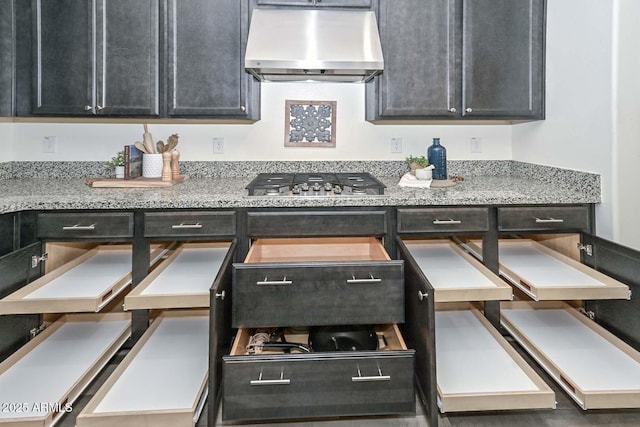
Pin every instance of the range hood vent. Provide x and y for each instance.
(315, 45)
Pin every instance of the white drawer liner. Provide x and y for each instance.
(587, 358)
(47, 372)
(454, 274)
(163, 379)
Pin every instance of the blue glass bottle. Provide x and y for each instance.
(437, 156)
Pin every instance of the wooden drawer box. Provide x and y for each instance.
(453, 273)
(183, 279)
(317, 281)
(544, 218)
(596, 368)
(443, 220)
(162, 381)
(190, 224)
(477, 369)
(302, 385)
(89, 225)
(317, 223)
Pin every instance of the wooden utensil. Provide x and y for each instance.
(147, 140)
(172, 141)
(140, 146)
(160, 146)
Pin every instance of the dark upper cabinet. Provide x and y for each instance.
(316, 3)
(206, 41)
(7, 57)
(95, 57)
(453, 59)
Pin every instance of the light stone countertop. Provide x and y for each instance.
(18, 194)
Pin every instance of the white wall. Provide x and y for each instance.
(264, 140)
(627, 124)
(578, 130)
(6, 142)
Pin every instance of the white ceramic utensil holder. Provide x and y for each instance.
(152, 165)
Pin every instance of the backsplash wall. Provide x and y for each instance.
(356, 139)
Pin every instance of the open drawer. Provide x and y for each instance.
(86, 284)
(271, 386)
(162, 382)
(544, 274)
(183, 279)
(478, 370)
(597, 369)
(453, 273)
(317, 281)
(41, 381)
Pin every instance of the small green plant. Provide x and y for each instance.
(117, 160)
(420, 161)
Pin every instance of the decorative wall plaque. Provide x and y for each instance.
(310, 124)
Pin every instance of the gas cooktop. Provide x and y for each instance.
(315, 184)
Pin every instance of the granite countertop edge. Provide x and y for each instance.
(23, 194)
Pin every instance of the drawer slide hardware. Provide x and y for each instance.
(183, 226)
(371, 279)
(549, 220)
(267, 282)
(372, 378)
(590, 314)
(35, 331)
(587, 249)
(78, 227)
(36, 260)
(449, 221)
(281, 381)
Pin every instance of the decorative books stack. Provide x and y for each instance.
(132, 162)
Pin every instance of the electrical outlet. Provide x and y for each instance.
(476, 145)
(49, 144)
(396, 145)
(218, 145)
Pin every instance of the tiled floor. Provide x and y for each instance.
(567, 413)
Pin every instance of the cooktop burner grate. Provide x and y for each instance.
(315, 184)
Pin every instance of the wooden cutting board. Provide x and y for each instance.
(139, 182)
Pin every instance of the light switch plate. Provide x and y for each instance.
(218, 145)
(396, 145)
(49, 144)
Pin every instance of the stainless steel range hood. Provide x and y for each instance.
(316, 45)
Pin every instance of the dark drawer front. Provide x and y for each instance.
(443, 220)
(189, 224)
(317, 385)
(85, 225)
(316, 223)
(549, 218)
(306, 294)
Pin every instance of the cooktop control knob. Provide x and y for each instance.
(316, 187)
(337, 189)
(295, 189)
(327, 186)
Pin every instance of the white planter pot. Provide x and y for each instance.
(424, 174)
(119, 171)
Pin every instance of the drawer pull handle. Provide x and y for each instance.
(267, 282)
(281, 381)
(372, 378)
(446, 221)
(549, 220)
(78, 227)
(368, 280)
(183, 226)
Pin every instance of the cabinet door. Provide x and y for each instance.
(63, 52)
(503, 58)
(127, 57)
(7, 57)
(206, 44)
(419, 42)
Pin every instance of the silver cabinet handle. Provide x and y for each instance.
(469, 110)
(88, 108)
(99, 108)
(268, 282)
(183, 226)
(453, 110)
(446, 221)
(281, 381)
(77, 227)
(243, 108)
(422, 295)
(368, 280)
(221, 295)
(372, 378)
(549, 220)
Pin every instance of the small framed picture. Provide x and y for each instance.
(310, 123)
